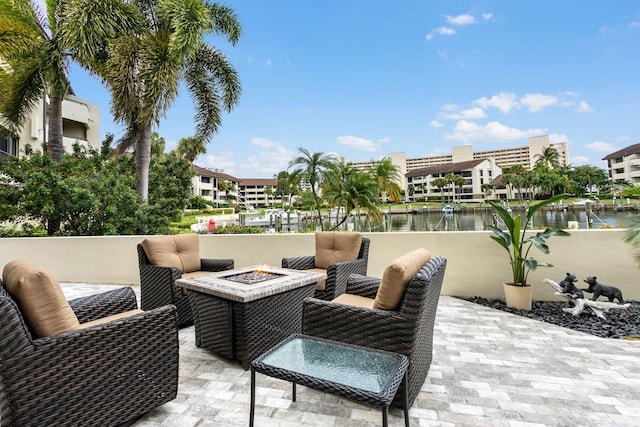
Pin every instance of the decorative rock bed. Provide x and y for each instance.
(618, 323)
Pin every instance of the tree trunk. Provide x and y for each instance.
(55, 146)
(315, 197)
(143, 158)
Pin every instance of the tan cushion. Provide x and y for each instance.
(396, 277)
(181, 251)
(110, 318)
(333, 247)
(354, 300)
(321, 284)
(40, 298)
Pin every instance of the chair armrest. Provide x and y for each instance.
(299, 262)
(364, 286)
(338, 275)
(207, 264)
(104, 304)
(381, 329)
(131, 363)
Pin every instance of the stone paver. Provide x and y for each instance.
(490, 368)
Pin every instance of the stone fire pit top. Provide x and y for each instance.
(216, 284)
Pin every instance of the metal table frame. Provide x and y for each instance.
(394, 366)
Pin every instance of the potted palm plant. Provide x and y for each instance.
(517, 243)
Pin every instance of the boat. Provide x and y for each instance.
(276, 219)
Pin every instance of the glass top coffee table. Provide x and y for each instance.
(358, 373)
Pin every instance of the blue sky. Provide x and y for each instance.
(364, 78)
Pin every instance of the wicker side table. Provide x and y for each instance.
(358, 373)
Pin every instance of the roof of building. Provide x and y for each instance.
(627, 151)
(444, 168)
(207, 172)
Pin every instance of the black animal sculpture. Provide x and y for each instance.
(568, 287)
(599, 289)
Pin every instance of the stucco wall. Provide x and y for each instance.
(476, 264)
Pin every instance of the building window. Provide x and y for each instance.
(205, 192)
(205, 179)
(619, 171)
(8, 146)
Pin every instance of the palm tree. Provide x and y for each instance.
(548, 157)
(351, 188)
(440, 183)
(387, 176)
(144, 66)
(488, 189)
(313, 166)
(158, 144)
(36, 67)
(190, 147)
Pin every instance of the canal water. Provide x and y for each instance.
(470, 221)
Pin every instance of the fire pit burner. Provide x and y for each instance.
(251, 277)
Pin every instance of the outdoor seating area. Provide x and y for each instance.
(489, 368)
(443, 361)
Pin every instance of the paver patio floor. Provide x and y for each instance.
(490, 368)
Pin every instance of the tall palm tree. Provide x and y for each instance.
(158, 144)
(144, 66)
(36, 67)
(440, 183)
(351, 188)
(313, 166)
(190, 147)
(548, 157)
(388, 177)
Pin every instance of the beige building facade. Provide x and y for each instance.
(80, 124)
(624, 164)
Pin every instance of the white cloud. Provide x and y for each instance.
(272, 157)
(504, 101)
(583, 107)
(537, 101)
(623, 138)
(634, 24)
(384, 140)
(579, 161)
(264, 142)
(465, 131)
(357, 143)
(222, 161)
(445, 31)
(468, 114)
(464, 19)
(557, 138)
(435, 124)
(429, 36)
(268, 63)
(601, 146)
(487, 16)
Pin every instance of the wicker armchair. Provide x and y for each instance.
(107, 374)
(407, 330)
(157, 285)
(337, 274)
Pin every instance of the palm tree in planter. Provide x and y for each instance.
(515, 241)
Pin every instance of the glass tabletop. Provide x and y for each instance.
(357, 367)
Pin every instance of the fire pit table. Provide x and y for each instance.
(241, 313)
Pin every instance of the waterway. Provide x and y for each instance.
(480, 220)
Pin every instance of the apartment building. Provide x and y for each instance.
(624, 164)
(80, 124)
(220, 188)
(476, 173)
(504, 157)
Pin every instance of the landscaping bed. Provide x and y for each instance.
(620, 323)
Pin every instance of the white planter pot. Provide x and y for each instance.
(519, 297)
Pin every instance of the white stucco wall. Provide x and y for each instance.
(476, 264)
